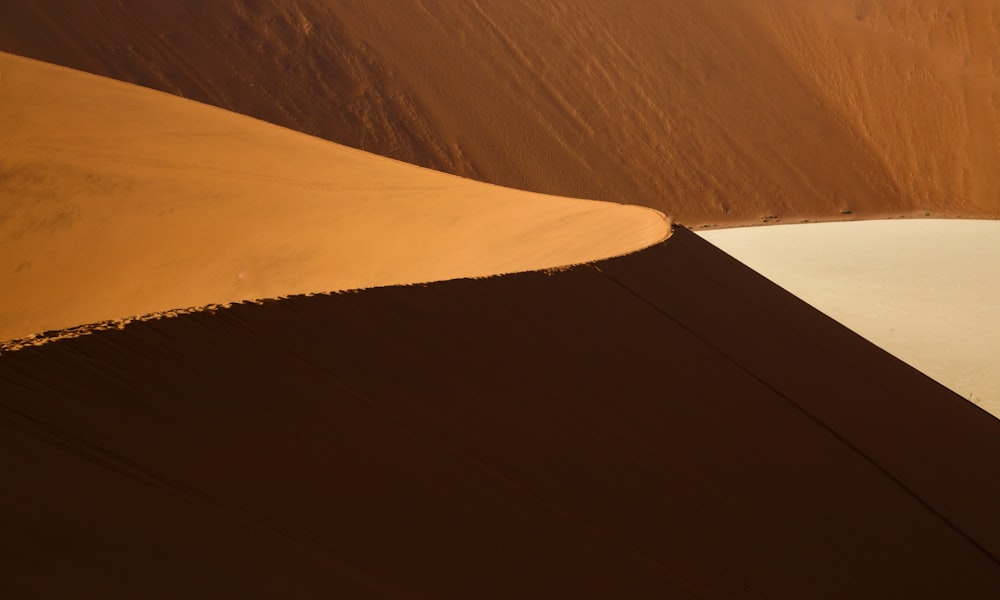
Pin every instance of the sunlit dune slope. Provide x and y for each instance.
(664, 424)
(117, 200)
(715, 111)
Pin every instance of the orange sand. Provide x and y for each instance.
(119, 201)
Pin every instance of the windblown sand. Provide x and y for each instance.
(927, 291)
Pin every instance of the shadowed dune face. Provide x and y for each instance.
(117, 201)
(716, 111)
(666, 423)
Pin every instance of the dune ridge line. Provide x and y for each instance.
(109, 213)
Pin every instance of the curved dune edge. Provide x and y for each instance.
(118, 200)
(67, 333)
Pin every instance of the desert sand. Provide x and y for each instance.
(120, 201)
(712, 111)
(667, 423)
(927, 291)
(663, 423)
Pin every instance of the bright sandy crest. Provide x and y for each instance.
(116, 200)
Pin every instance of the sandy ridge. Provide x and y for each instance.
(118, 200)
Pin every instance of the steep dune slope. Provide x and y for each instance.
(662, 424)
(918, 82)
(713, 111)
(117, 200)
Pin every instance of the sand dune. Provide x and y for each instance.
(118, 200)
(667, 423)
(719, 111)
(663, 423)
(926, 291)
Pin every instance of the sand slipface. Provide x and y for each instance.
(927, 291)
(118, 200)
(716, 112)
(667, 423)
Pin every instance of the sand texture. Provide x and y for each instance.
(713, 111)
(116, 200)
(927, 291)
(666, 423)
(658, 420)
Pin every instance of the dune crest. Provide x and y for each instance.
(118, 200)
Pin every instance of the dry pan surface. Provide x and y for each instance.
(926, 291)
(118, 200)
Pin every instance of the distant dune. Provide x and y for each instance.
(118, 201)
(713, 111)
(662, 424)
